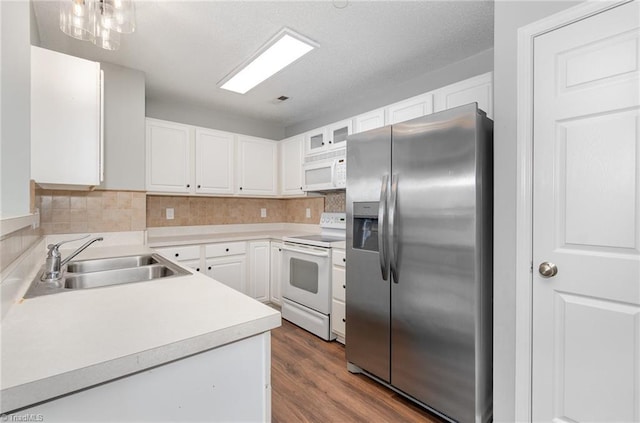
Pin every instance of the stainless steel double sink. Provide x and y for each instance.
(96, 273)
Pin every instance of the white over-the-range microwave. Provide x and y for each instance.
(326, 171)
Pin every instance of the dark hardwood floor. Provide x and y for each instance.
(311, 383)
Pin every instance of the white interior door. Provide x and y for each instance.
(586, 196)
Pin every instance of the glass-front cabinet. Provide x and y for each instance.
(329, 137)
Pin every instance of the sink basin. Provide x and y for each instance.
(98, 265)
(120, 276)
(96, 273)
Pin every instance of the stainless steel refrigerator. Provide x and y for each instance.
(419, 260)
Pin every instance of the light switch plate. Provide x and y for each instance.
(263, 212)
(308, 213)
(169, 213)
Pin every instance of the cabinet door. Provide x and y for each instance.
(276, 273)
(168, 157)
(214, 161)
(338, 133)
(192, 264)
(478, 89)
(259, 252)
(411, 108)
(257, 167)
(291, 166)
(315, 141)
(230, 271)
(65, 119)
(368, 121)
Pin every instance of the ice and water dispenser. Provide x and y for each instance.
(365, 225)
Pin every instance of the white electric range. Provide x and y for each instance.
(306, 290)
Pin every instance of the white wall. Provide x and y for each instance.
(376, 98)
(193, 114)
(124, 128)
(509, 16)
(15, 94)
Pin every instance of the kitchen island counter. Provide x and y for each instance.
(57, 344)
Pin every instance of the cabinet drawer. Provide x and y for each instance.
(225, 249)
(339, 283)
(339, 258)
(338, 321)
(191, 252)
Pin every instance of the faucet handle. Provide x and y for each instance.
(54, 247)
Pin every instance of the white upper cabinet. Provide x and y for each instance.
(291, 166)
(257, 166)
(168, 156)
(368, 121)
(316, 141)
(215, 158)
(408, 109)
(477, 89)
(66, 120)
(338, 133)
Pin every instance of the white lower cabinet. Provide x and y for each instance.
(192, 264)
(275, 278)
(259, 264)
(338, 306)
(226, 262)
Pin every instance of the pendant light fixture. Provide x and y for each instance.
(98, 21)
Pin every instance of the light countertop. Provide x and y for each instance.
(56, 344)
(167, 240)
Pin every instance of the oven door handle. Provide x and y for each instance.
(305, 251)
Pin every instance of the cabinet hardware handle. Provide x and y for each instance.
(322, 143)
(177, 254)
(300, 188)
(279, 249)
(227, 249)
(188, 185)
(240, 188)
(197, 269)
(344, 286)
(344, 260)
(209, 268)
(329, 141)
(344, 320)
(198, 186)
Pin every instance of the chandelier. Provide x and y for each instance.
(98, 21)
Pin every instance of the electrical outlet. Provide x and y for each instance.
(308, 213)
(263, 212)
(169, 213)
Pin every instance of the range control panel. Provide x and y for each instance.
(333, 220)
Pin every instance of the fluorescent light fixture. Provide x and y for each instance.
(280, 51)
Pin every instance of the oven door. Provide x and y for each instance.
(306, 274)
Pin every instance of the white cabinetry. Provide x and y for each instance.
(257, 173)
(291, 166)
(411, 108)
(66, 120)
(227, 263)
(168, 156)
(259, 264)
(188, 256)
(276, 273)
(477, 89)
(328, 137)
(368, 121)
(338, 316)
(214, 157)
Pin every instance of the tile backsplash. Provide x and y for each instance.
(91, 211)
(14, 244)
(190, 211)
(335, 202)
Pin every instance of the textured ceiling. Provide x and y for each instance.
(185, 48)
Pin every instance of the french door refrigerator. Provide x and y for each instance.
(419, 260)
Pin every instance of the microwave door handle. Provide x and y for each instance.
(334, 182)
(393, 243)
(382, 223)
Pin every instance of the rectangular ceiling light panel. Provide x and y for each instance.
(282, 50)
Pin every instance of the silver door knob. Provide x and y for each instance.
(548, 269)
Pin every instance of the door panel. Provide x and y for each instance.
(586, 220)
(367, 294)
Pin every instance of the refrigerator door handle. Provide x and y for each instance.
(393, 244)
(382, 217)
